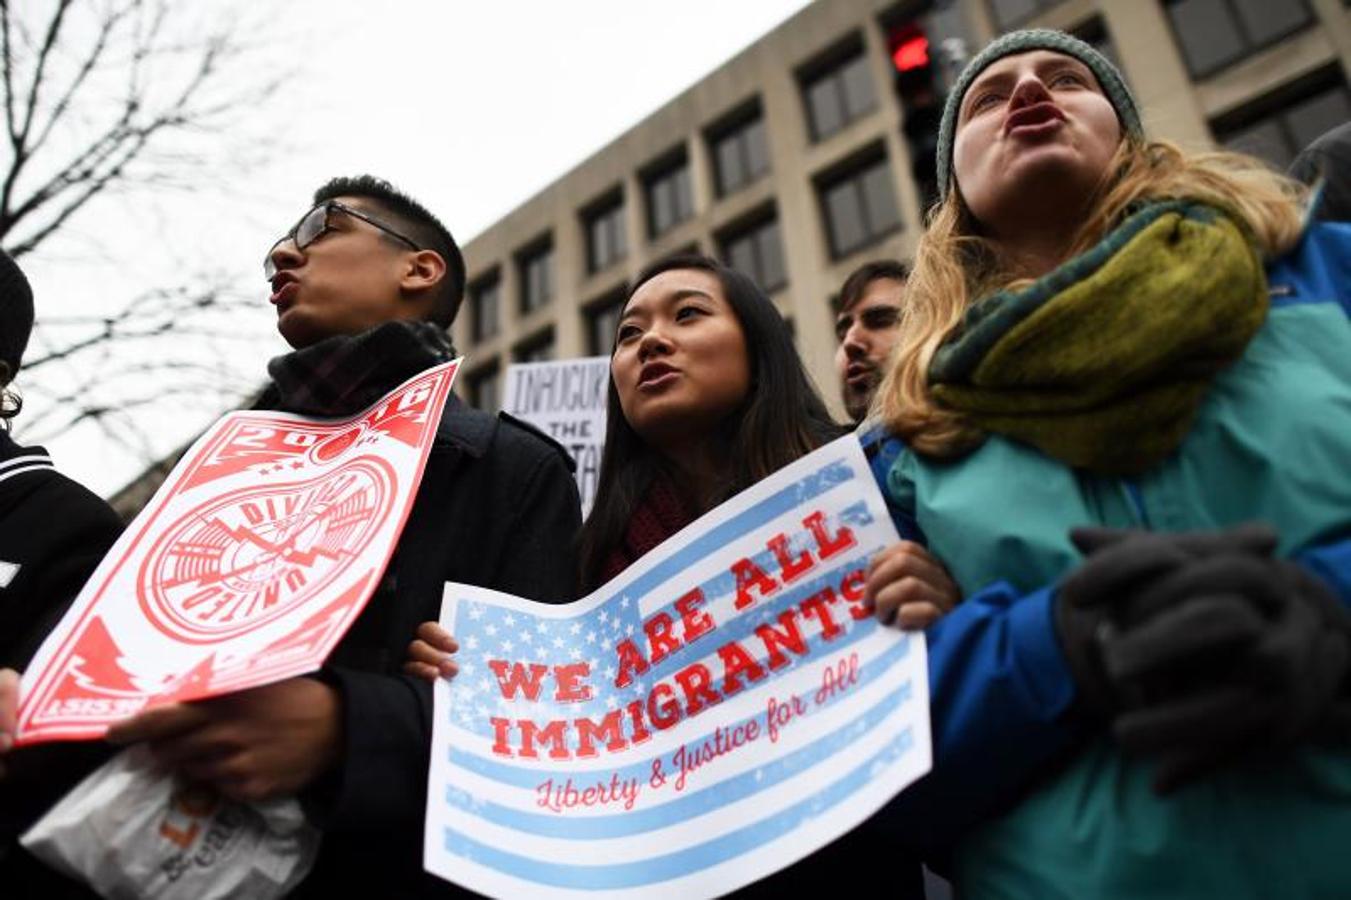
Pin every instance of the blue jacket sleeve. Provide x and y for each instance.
(1332, 563)
(1000, 689)
(999, 693)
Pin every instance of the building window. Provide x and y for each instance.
(1215, 33)
(1008, 13)
(1277, 127)
(484, 319)
(602, 321)
(756, 250)
(838, 92)
(670, 200)
(605, 240)
(1094, 33)
(534, 267)
(539, 348)
(485, 389)
(740, 151)
(859, 204)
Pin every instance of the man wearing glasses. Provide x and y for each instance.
(364, 287)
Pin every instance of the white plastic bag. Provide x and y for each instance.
(131, 833)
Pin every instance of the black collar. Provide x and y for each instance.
(10, 450)
(466, 428)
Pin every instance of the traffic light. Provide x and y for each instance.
(918, 86)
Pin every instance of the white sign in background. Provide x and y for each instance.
(566, 400)
(723, 708)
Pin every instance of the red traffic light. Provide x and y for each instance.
(909, 49)
(911, 53)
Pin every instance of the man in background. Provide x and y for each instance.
(867, 325)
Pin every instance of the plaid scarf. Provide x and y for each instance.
(343, 375)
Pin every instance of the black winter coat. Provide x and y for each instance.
(53, 534)
(497, 508)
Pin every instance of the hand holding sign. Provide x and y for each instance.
(429, 657)
(254, 745)
(909, 587)
(9, 712)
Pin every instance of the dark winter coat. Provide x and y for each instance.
(53, 534)
(497, 508)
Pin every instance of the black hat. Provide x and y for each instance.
(16, 313)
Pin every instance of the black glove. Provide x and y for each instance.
(1102, 597)
(1202, 646)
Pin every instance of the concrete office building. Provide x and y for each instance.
(792, 160)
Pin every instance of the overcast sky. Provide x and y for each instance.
(470, 106)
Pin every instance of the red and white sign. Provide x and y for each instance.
(247, 567)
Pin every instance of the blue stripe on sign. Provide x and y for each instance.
(830, 475)
(704, 800)
(656, 869)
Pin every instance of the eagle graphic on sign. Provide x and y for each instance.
(248, 557)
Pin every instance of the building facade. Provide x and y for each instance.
(808, 152)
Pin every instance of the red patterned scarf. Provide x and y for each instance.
(661, 514)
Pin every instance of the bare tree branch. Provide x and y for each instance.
(120, 99)
(72, 91)
(174, 102)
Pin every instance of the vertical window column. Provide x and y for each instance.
(534, 267)
(670, 198)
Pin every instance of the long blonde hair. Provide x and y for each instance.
(954, 266)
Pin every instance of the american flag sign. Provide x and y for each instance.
(720, 710)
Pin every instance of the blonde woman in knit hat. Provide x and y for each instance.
(1123, 392)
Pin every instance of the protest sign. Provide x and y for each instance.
(723, 708)
(247, 566)
(565, 399)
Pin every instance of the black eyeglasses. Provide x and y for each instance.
(315, 224)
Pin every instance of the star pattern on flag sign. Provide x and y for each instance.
(491, 632)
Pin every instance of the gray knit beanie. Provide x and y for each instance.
(16, 313)
(1109, 79)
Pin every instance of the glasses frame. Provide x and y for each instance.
(270, 267)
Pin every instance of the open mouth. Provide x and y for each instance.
(284, 289)
(1034, 119)
(860, 377)
(655, 375)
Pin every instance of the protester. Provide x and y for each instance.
(1091, 339)
(867, 323)
(364, 286)
(702, 369)
(1326, 166)
(53, 533)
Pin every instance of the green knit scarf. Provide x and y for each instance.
(1104, 362)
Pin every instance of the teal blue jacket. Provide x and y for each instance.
(1272, 443)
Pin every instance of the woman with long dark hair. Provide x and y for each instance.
(707, 397)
